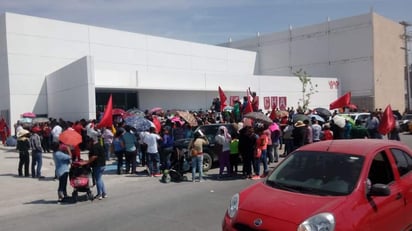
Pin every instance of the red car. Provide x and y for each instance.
(337, 185)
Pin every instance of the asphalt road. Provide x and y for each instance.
(134, 203)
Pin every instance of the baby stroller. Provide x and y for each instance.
(180, 165)
(81, 180)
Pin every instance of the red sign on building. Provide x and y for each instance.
(282, 102)
(274, 102)
(266, 102)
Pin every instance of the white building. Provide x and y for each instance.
(365, 53)
(67, 70)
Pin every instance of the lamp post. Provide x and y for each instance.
(406, 38)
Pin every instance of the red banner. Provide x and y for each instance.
(274, 102)
(266, 102)
(282, 102)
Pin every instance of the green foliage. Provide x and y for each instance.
(308, 89)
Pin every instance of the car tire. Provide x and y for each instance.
(207, 162)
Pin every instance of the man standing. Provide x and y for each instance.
(36, 155)
(152, 151)
(316, 130)
(97, 160)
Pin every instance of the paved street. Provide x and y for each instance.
(134, 203)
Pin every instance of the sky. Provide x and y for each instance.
(205, 21)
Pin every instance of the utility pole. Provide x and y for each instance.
(406, 38)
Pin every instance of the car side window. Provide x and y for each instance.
(380, 171)
(403, 161)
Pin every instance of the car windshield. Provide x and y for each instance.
(320, 173)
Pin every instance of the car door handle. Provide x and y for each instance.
(398, 196)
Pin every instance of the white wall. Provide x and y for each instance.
(340, 48)
(71, 91)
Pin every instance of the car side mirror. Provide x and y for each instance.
(379, 190)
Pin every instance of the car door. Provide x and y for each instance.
(385, 212)
(403, 161)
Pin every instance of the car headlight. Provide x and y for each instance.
(233, 205)
(319, 222)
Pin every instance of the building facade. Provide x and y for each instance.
(67, 70)
(363, 52)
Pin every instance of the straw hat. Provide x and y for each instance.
(22, 133)
(299, 123)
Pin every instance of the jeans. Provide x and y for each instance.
(98, 176)
(275, 152)
(36, 163)
(197, 162)
(62, 190)
(107, 150)
(264, 160)
(154, 163)
(270, 153)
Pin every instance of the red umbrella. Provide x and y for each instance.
(118, 111)
(70, 137)
(29, 115)
(155, 110)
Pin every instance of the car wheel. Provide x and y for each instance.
(207, 162)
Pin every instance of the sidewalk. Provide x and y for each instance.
(19, 194)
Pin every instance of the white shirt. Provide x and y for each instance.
(151, 141)
(56, 133)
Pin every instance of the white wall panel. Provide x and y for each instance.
(45, 47)
(164, 45)
(168, 60)
(71, 93)
(41, 27)
(115, 79)
(116, 54)
(122, 39)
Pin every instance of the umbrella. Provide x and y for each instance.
(301, 117)
(70, 137)
(339, 121)
(176, 119)
(155, 110)
(323, 112)
(29, 115)
(259, 116)
(188, 117)
(317, 117)
(118, 111)
(135, 111)
(40, 120)
(139, 123)
(282, 113)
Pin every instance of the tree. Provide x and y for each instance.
(308, 89)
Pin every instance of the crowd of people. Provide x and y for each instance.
(252, 145)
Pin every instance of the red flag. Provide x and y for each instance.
(157, 124)
(248, 107)
(107, 120)
(343, 101)
(387, 122)
(222, 97)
